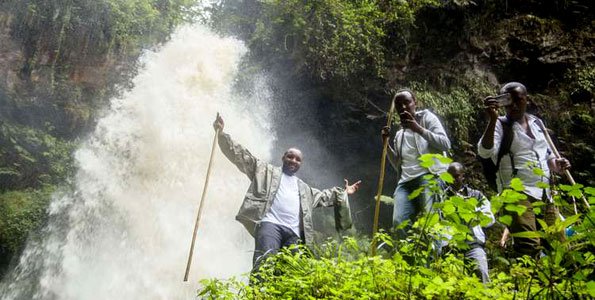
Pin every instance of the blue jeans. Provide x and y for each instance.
(478, 255)
(405, 209)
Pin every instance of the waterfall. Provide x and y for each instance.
(123, 230)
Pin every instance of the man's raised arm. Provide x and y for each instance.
(236, 153)
(329, 197)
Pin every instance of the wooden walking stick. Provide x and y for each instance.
(202, 201)
(557, 155)
(385, 140)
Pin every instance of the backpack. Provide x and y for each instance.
(489, 168)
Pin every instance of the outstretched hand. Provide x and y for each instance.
(351, 189)
(219, 123)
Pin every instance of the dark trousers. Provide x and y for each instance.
(525, 222)
(269, 239)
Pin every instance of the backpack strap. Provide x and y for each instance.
(505, 143)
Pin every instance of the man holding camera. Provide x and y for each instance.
(421, 133)
(528, 149)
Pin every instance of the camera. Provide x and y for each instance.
(502, 99)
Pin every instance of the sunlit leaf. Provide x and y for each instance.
(444, 159)
(484, 220)
(512, 196)
(543, 185)
(538, 172)
(542, 223)
(529, 234)
(416, 193)
(519, 209)
(468, 217)
(517, 185)
(577, 186)
(570, 220)
(446, 177)
(591, 288)
(473, 202)
(590, 190)
(575, 193)
(565, 187)
(457, 200)
(505, 219)
(426, 163)
(448, 208)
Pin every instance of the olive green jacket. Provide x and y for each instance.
(265, 180)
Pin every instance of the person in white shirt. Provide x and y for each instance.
(529, 150)
(421, 133)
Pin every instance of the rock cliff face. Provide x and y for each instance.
(42, 88)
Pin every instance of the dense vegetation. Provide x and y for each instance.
(412, 268)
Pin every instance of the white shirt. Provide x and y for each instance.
(285, 210)
(528, 153)
(410, 166)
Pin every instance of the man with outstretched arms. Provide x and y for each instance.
(527, 150)
(277, 208)
(421, 133)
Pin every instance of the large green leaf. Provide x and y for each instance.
(517, 185)
(529, 234)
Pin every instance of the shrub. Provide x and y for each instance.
(412, 267)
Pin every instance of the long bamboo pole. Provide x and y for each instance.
(381, 179)
(202, 201)
(557, 155)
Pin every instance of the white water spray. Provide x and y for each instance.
(125, 231)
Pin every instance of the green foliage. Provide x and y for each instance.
(32, 158)
(327, 40)
(20, 213)
(411, 269)
(344, 271)
(582, 77)
(457, 106)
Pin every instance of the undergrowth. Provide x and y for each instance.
(417, 268)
